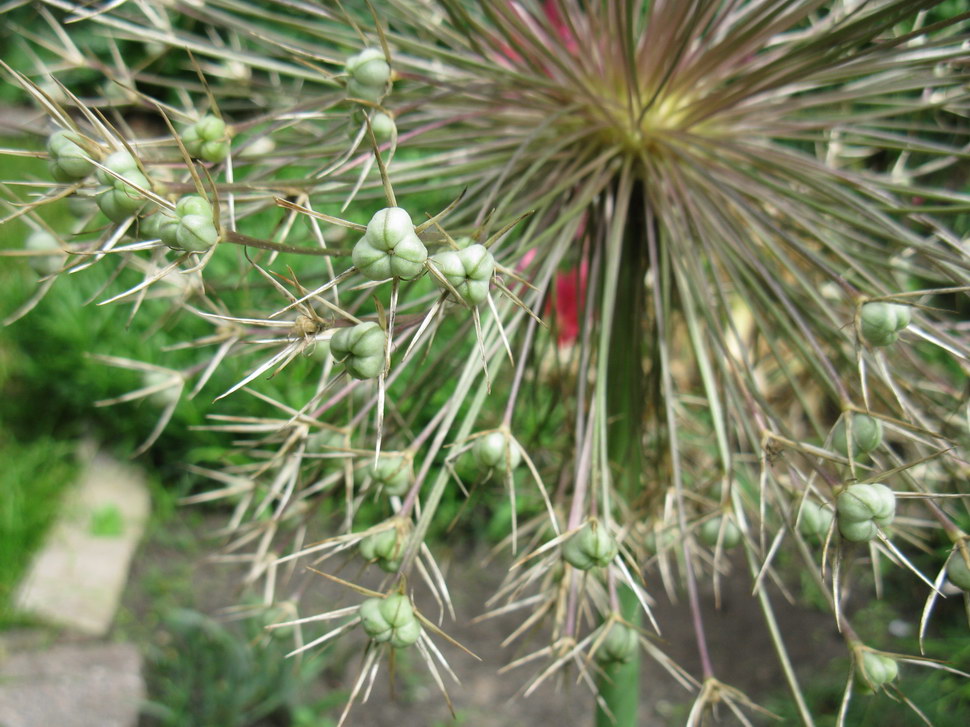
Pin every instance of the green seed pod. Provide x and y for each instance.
(712, 528)
(385, 548)
(589, 547)
(357, 90)
(163, 225)
(878, 669)
(468, 270)
(957, 571)
(119, 162)
(119, 201)
(882, 322)
(393, 473)
(619, 645)
(866, 435)
(404, 636)
(655, 542)
(369, 68)
(193, 204)
(863, 509)
(68, 160)
(196, 233)
(207, 139)
(390, 247)
(380, 123)
(497, 450)
(373, 621)
(163, 397)
(815, 521)
(360, 349)
(325, 440)
(43, 241)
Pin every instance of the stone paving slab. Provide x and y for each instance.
(76, 578)
(76, 685)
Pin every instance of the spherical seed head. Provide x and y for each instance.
(193, 204)
(43, 241)
(497, 450)
(369, 68)
(619, 645)
(958, 572)
(196, 233)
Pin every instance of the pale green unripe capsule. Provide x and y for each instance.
(815, 520)
(120, 200)
(390, 247)
(43, 241)
(358, 90)
(380, 123)
(863, 510)
(390, 619)
(591, 546)
(497, 450)
(385, 548)
(957, 571)
(866, 435)
(68, 160)
(468, 270)
(165, 397)
(881, 322)
(207, 139)
(326, 440)
(879, 669)
(655, 542)
(393, 473)
(119, 162)
(193, 204)
(619, 645)
(710, 530)
(360, 349)
(196, 233)
(369, 68)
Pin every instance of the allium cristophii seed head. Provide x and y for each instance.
(866, 435)
(863, 510)
(590, 547)
(390, 248)
(360, 349)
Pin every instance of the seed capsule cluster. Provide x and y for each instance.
(393, 473)
(882, 322)
(878, 669)
(469, 271)
(369, 74)
(618, 646)
(590, 547)
(815, 520)
(191, 228)
(390, 248)
(118, 199)
(390, 620)
(866, 435)
(68, 160)
(958, 572)
(711, 529)
(360, 349)
(384, 548)
(863, 510)
(207, 139)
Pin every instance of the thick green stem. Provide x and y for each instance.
(620, 684)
